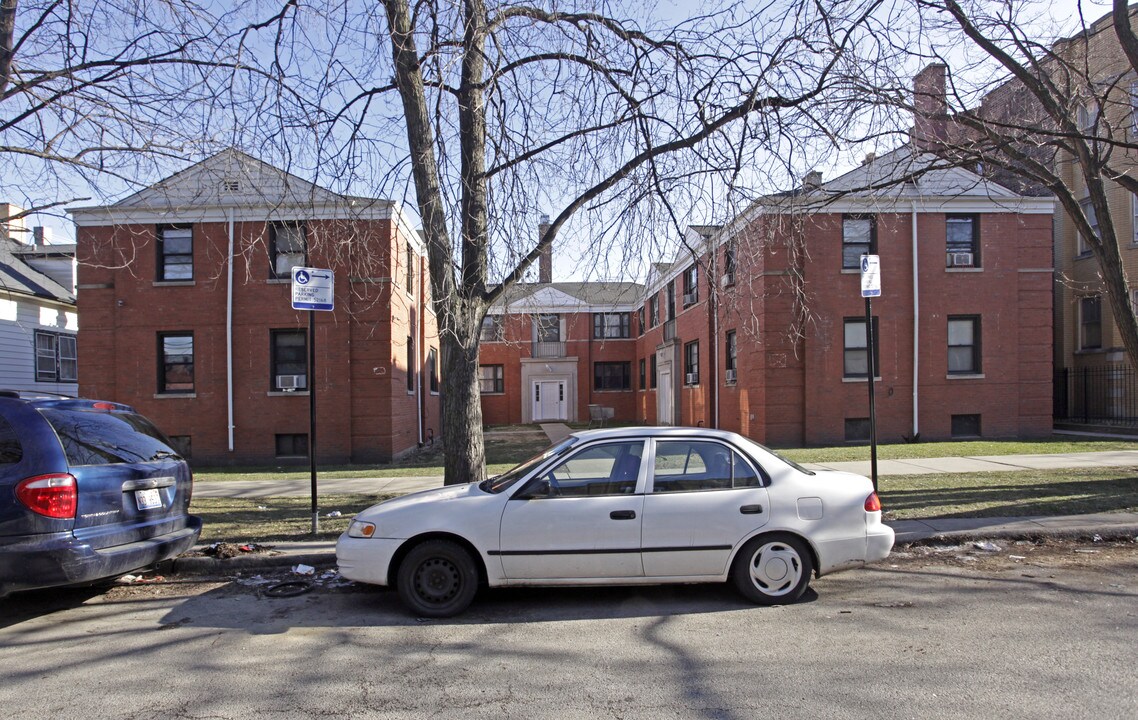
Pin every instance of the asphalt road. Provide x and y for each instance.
(938, 634)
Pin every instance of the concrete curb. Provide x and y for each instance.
(250, 563)
(1115, 533)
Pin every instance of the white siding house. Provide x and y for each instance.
(38, 318)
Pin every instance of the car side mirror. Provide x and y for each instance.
(536, 488)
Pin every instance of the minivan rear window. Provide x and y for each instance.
(10, 450)
(92, 437)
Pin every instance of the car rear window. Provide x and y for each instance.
(10, 449)
(93, 437)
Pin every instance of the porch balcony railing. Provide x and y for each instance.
(549, 350)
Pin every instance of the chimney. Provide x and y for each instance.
(812, 181)
(930, 108)
(869, 158)
(545, 262)
(41, 235)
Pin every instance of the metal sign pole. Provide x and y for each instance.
(871, 288)
(869, 340)
(313, 289)
(312, 415)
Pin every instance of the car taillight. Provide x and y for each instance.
(873, 503)
(54, 496)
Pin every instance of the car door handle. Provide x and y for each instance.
(751, 509)
(623, 514)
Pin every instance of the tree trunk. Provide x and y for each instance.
(465, 451)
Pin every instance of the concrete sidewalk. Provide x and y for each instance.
(321, 554)
(988, 463)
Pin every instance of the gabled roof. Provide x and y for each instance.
(232, 185)
(903, 173)
(18, 277)
(234, 178)
(570, 296)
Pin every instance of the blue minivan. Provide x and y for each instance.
(89, 490)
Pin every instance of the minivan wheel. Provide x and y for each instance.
(773, 569)
(437, 578)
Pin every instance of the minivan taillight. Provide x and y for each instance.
(53, 496)
(873, 503)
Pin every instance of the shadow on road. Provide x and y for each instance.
(252, 610)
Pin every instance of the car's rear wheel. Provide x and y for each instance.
(437, 578)
(773, 569)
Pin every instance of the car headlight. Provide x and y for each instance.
(361, 529)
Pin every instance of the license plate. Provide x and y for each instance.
(148, 499)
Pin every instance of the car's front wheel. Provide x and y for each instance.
(437, 578)
(773, 569)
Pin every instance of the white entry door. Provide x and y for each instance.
(665, 406)
(549, 400)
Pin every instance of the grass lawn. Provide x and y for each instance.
(509, 445)
(905, 497)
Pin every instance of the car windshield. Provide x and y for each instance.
(92, 437)
(786, 460)
(499, 483)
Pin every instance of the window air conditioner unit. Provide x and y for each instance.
(691, 379)
(727, 279)
(689, 298)
(731, 376)
(960, 259)
(291, 382)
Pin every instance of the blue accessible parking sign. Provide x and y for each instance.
(312, 288)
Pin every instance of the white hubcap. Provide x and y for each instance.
(776, 568)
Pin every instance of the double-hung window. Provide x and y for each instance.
(56, 358)
(962, 240)
(1084, 246)
(289, 360)
(855, 363)
(175, 362)
(730, 355)
(610, 325)
(963, 345)
(491, 379)
(287, 248)
(859, 237)
(175, 252)
(612, 376)
(691, 363)
(1090, 323)
(691, 285)
(491, 329)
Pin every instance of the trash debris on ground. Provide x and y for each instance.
(291, 588)
(894, 604)
(262, 507)
(302, 569)
(1097, 538)
(225, 550)
(140, 579)
(1017, 557)
(1086, 551)
(334, 513)
(986, 546)
(332, 580)
(255, 581)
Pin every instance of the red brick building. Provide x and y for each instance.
(185, 293)
(762, 330)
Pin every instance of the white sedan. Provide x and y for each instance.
(619, 507)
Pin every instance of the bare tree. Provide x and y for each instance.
(1041, 114)
(97, 96)
(511, 108)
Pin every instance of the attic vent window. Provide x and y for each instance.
(230, 185)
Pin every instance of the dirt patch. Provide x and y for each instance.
(989, 555)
